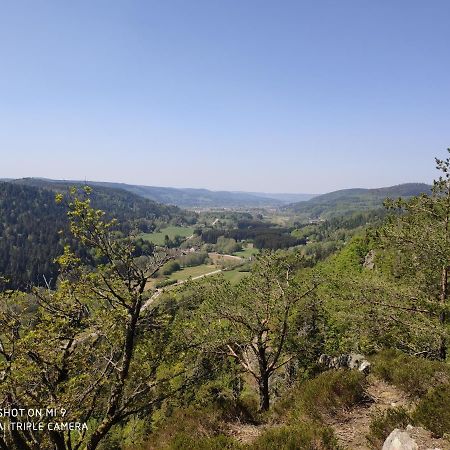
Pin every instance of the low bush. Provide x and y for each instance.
(193, 259)
(433, 410)
(165, 283)
(189, 422)
(328, 393)
(415, 376)
(303, 436)
(383, 422)
(185, 441)
(170, 267)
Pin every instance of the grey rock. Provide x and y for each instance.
(369, 260)
(400, 440)
(353, 361)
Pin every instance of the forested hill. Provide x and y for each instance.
(30, 221)
(348, 200)
(29, 240)
(182, 197)
(118, 203)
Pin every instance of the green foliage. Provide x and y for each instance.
(187, 425)
(433, 410)
(420, 232)
(302, 436)
(131, 210)
(193, 259)
(170, 267)
(34, 228)
(165, 283)
(415, 376)
(130, 435)
(227, 246)
(185, 441)
(254, 322)
(383, 422)
(351, 258)
(346, 201)
(330, 392)
(310, 400)
(89, 346)
(30, 238)
(264, 235)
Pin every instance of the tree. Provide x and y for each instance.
(253, 322)
(95, 346)
(420, 233)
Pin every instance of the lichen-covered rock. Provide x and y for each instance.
(353, 361)
(369, 260)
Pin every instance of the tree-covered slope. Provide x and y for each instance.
(31, 221)
(182, 197)
(119, 203)
(347, 200)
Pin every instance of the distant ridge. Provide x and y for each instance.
(348, 200)
(192, 197)
(284, 197)
(119, 203)
(31, 222)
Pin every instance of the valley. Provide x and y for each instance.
(230, 309)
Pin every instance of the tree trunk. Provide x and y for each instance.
(18, 441)
(117, 391)
(264, 398)
(58, 440)
(442, 316)
(98, 435)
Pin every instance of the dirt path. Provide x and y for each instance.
(245, 433)
(352, 427)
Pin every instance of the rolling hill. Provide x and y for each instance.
(196, 198)
(348, 200)
(184, 197)
(30, 221)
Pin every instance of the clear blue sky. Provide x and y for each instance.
(281, 96)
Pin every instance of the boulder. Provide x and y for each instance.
(369, 260)
(353, 361)
(400, 440)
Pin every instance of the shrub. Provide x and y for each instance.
(165, 283)
(227, 245)
(330, 392)
(303, 436)
(413, 375)
(383, 423)
(433, 410)
(186, 423)
(193, 259)
(170, 267)
(327, 393)
(185, 441)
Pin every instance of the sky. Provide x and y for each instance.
(256, 95)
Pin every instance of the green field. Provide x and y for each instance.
(172, 231)
(247, 251)
(234, 276)
(196, 271)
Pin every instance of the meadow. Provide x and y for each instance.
(171, 231)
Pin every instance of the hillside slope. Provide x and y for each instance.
(185, 197)
(31, 221)
(348, 200)
(118, 203)
(196, 198)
